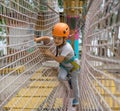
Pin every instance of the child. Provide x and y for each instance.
(65, 56)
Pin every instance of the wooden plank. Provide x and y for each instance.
(24, 102)
(35, 92)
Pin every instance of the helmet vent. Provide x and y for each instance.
(64, 32)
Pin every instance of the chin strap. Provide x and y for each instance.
(56, 51)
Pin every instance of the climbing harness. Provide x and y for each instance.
(75, 67)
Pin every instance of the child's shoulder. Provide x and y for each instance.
(67, 46)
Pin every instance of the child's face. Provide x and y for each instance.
(58, 40)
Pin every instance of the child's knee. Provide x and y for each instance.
(63, 78)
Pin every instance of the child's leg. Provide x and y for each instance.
(75, 84)
(62, 75)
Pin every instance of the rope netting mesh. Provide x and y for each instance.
(100, 72)
(26, 84)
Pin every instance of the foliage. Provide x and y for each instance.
(60, 3)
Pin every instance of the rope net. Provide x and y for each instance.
(26, 84)
(100, 72)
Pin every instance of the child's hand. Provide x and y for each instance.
(49, 53)
(35, 39)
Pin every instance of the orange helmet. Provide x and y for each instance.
(61, 30)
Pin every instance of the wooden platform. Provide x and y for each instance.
(24, 102)
(48, 84)
(34, 92)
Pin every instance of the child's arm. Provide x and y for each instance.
(56, 58)
(45, 39)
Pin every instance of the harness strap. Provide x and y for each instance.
(63, 67)
(56, 51)
(75, 65)
(70, 60)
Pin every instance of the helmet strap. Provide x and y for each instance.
(56, 51)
